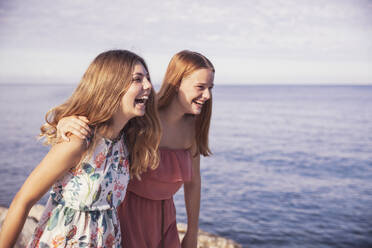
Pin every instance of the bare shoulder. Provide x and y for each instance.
(65, 154)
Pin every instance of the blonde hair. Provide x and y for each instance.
(182, 65)
(98, 97)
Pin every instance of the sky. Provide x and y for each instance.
(248, 41)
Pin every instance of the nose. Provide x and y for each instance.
(146, 84)
(207, 94)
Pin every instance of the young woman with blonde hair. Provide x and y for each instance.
(90, 176)
(148, 215)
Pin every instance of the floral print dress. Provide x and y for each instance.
(81, 210)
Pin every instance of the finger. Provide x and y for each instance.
(79, 124)
(59, 134)
(64, 137)
(77, 132)
(83, 118)
(79, 128)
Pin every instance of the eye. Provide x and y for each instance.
(200, 87)
(137, 79)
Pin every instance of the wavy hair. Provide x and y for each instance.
(182, 65)
(98, 97)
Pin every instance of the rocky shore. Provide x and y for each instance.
(205, 240)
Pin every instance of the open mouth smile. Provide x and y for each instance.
(200, 103)
(142, 99)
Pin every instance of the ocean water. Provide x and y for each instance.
(291, 165)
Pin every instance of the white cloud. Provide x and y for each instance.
(319, 31)
(282, 71)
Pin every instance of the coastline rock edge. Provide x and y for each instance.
(205, 240)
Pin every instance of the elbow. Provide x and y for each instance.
(194, 182)
(23, 201)
(196, 179)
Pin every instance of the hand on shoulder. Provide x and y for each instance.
(77, 125)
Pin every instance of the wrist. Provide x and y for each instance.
(192, 232)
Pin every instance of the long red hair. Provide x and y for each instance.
(182, 65)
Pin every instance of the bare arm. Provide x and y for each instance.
(77, 125)
(55, 164)
(192, 201)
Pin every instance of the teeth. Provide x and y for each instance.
(143, 98)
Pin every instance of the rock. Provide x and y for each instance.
(205, 240)
(208, 240)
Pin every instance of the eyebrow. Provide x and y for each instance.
(212, 85)
(140, 74)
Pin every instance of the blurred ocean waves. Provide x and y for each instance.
(291, 165)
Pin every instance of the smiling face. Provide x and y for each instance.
(195, 90)
(133, 102)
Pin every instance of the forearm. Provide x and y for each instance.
(192, 201)
(13, 223)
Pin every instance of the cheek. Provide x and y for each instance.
(131, 94)
(184, 99)
(187, 94)
(192, 95)
(126, 100)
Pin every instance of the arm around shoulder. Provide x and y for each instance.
(55, 164)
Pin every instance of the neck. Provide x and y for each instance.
(117, 125)
(173, 113)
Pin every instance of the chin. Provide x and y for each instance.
(195, 111)
(141, 113)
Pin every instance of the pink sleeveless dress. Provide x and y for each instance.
(148, 215)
